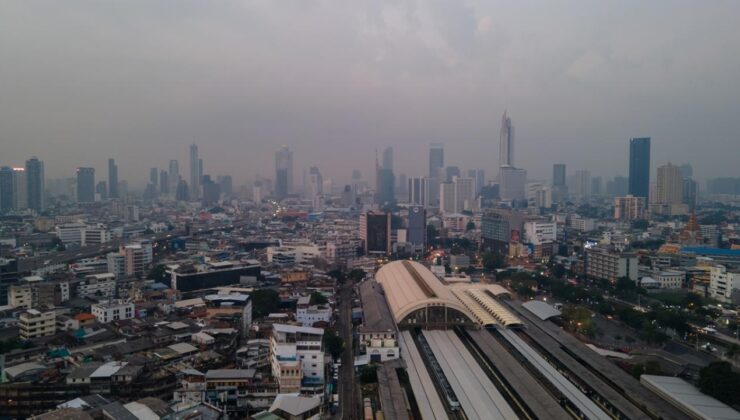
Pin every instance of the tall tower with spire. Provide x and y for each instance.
(506, 142)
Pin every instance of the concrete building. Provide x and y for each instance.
(297, 359)
(112, 179)
(97, 286)
(629, 208)
(512, 183)
(602, 263)
(418, 191)
(417, 227)
(283, 172)
(307, 315)
(375, 232)
(722, 282)
(35, 185)
(34, 324)
(112, 311)
(639, 167)
(85, 185)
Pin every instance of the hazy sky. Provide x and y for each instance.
(81, 81)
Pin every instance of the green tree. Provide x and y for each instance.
(493, 261)
(558, 271)
(470, 226)
(692, 301)
(264, 302)
(719, 381)
(432, 233)
(356, 274)
(640, 224)
(318, 298)
(369, 374)
(159, 273)
(333, 343)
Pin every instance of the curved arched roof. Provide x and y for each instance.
(409, 286)
(541, 309)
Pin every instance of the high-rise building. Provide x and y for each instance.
(211, 191)
(558, 174)
(506, 142)
(447, 197)
(283, 172)
(386, 192)
(174, 174)
(419, 191)
(101, 189)
(457, 195)
(669, 185)
(388, 158)
(226, 184)
(582, 184)
(195, 174)
(20, 188)
(639, 177)
(689, 193)
(451, 172)
(164, 182)
(85, 185)
(182, 192)
(35, 184)
(375, 232)
(687, 171)
(417, 226)
(436, 159)
(618, 187)
(7, 196)
(629, 208)
(597, 186)
(154, 177)
(512, 182)
(112, 179)
(436, 163)
(315, 185)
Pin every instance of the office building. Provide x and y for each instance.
(605, 264)
(512, 183)
(182, 192)
(539, 195)
(101, 190)
(211, 191)
(20, 188)
(417, 227)
(164, 182)
(112, 179)
(558, 174)
(436, 163)
(639, 176)
(226, 184)
(447, 197)
(386, 191)
(670, 185)
(375, 232)
(582, 185)
(34, 324)
(7, 196)
(418, 190)
(35, 185)
(722, 282)
(451, 172)
(195, 174)
(315, 186)
(388, 158)
(617, 187)
(499, 228)
(85, 185)
(283, 172)
(689, 193)
(630, 208)
(174, 174)
(506, 143)
(597, 186)
(187, 278)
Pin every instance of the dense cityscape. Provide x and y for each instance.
(589, 273)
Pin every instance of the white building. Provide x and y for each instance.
(721, 283)
(670, 279)
(112, 311)
(34, 323)
(116, 264)
(582, 224)
(307, 314)
(512, 183)
(539, 195)
(609, 265)
(70, 233)
(539, 232)
(97, 285)
(300, 253)
(297, 359)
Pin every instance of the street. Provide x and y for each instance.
(346, 383)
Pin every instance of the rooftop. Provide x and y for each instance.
(378, 316)
(688, 398)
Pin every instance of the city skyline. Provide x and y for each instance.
(469, 65)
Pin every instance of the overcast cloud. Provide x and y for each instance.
(81, 81)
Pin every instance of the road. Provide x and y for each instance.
(346, 372)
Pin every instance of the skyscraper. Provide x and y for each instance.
(506, 142)
(20, 188)
(164, 182)
(436, 159)
(174, 174)
(639, 176)
(388, 158)
(85, 185)
(283, 172)
(195, 175)
(512, 182)
(436, 163)
(670, 185)
(417, 227)
(419, 191)
(112, 179)
(35, 184)
(558, 174)
(375, 232)
(7, 198)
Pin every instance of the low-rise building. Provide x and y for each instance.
(97, 285)
(297, 358)
(34, 323)
(722, 282)
(605, 264)
(112, 311)
(307, 314)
